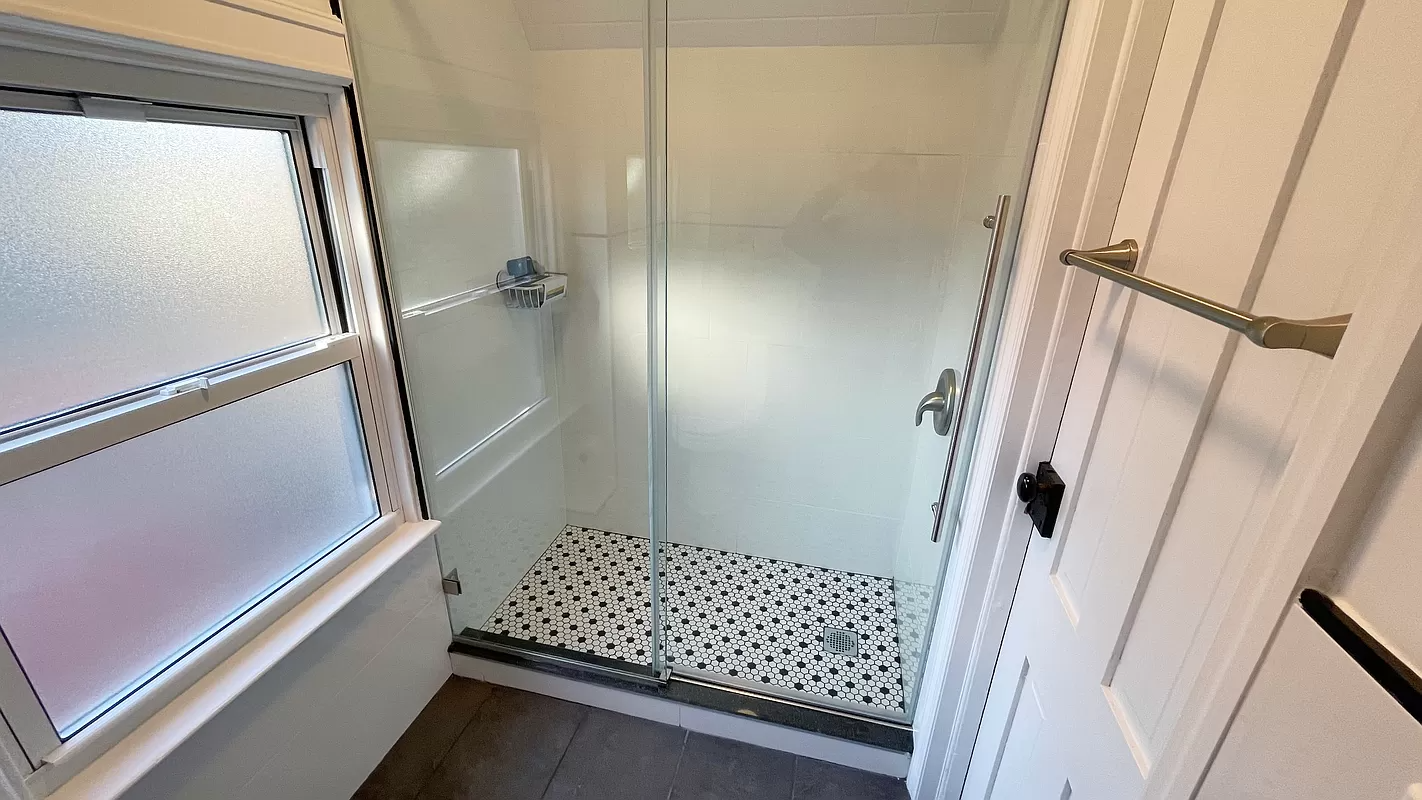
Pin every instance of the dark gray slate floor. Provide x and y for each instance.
(475, 741)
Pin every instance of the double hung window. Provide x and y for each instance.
(186, 420)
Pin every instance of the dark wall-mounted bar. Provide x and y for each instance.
(1388, 670)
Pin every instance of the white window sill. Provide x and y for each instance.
(121, 765)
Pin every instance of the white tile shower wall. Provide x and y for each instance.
(815, 197)
(583, 328)
(500, 508)
(590, 111)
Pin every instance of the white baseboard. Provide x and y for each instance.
(670, 712)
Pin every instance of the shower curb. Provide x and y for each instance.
(859, 743)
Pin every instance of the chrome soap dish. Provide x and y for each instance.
(525, 284)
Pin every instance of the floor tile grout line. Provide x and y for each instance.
(563, 756)
(680, 756)
(452, 742)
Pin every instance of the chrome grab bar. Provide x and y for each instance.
(997, 223)
(1117, 263)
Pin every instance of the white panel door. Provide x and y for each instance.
(1278, 137)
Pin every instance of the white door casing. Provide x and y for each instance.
(1277, 162)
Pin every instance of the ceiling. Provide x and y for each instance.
(601, 24)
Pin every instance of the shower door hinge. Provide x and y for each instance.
(1043, 494)
(451, 583)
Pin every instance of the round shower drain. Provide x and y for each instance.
(841, 642)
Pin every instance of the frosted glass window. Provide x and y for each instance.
(138, 251)
(117, 563)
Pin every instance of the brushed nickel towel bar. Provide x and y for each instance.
(1117, 263)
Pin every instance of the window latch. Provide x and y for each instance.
(183, 387)
(113, 108)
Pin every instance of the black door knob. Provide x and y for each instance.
(1026, 487)
(1042, 492)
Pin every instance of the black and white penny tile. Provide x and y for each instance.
(588, 592)
(752, 618)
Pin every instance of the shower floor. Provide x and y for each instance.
(752, 618)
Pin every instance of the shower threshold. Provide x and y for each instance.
(800, 634)
(894, 735)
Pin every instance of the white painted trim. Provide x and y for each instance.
(336, 143)
(131, 53)
(38, 447)
(172, 38)
(289, 12)
(1099, 90)
(670, 712)
(122, 765)
(12, 767)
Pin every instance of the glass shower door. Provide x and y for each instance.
(826, 262)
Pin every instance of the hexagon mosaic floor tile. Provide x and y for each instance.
(748, 617)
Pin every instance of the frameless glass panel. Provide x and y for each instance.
(500, 129)
(139, 251)
(119, 562)
(827, 184)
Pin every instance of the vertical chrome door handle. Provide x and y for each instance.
(942, 401)
(997, 223)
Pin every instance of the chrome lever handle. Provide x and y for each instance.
(933, 401)
(942, 401)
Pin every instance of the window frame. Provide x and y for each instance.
(357, 336)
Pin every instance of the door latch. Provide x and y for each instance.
(1043, 494)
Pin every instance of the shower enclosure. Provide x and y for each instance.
(673, 282)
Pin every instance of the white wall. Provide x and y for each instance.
(1378, 578)
(321, 720)
(599, 24)
(1315, 725)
